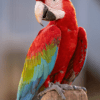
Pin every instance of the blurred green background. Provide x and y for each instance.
(18, 28)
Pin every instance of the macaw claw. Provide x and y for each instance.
(56, 87)
(71, 87)
(60, 88)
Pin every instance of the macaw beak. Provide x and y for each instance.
(43, 13)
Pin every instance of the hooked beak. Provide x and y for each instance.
(43, 13)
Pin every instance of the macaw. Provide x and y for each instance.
(58, 52)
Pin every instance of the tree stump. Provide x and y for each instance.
(69, 94)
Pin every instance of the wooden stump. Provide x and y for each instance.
(69, 94)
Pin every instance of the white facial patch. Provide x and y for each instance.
(55, 6)
(58, 13)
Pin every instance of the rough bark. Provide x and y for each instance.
(69, 94)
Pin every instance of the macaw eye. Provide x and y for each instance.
(55, 0)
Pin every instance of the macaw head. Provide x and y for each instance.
(54, 10)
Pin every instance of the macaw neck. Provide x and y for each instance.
(69, 21)
(65, 26)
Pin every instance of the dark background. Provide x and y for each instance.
(18, 28)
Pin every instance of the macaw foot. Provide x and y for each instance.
(70, 87)
(53, 86)
(60, 88)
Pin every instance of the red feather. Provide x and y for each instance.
(72, 48)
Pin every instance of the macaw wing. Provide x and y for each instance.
(39, 62)
(78, 59)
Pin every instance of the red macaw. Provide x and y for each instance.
(58, 52)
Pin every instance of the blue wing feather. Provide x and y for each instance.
(27, 90)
